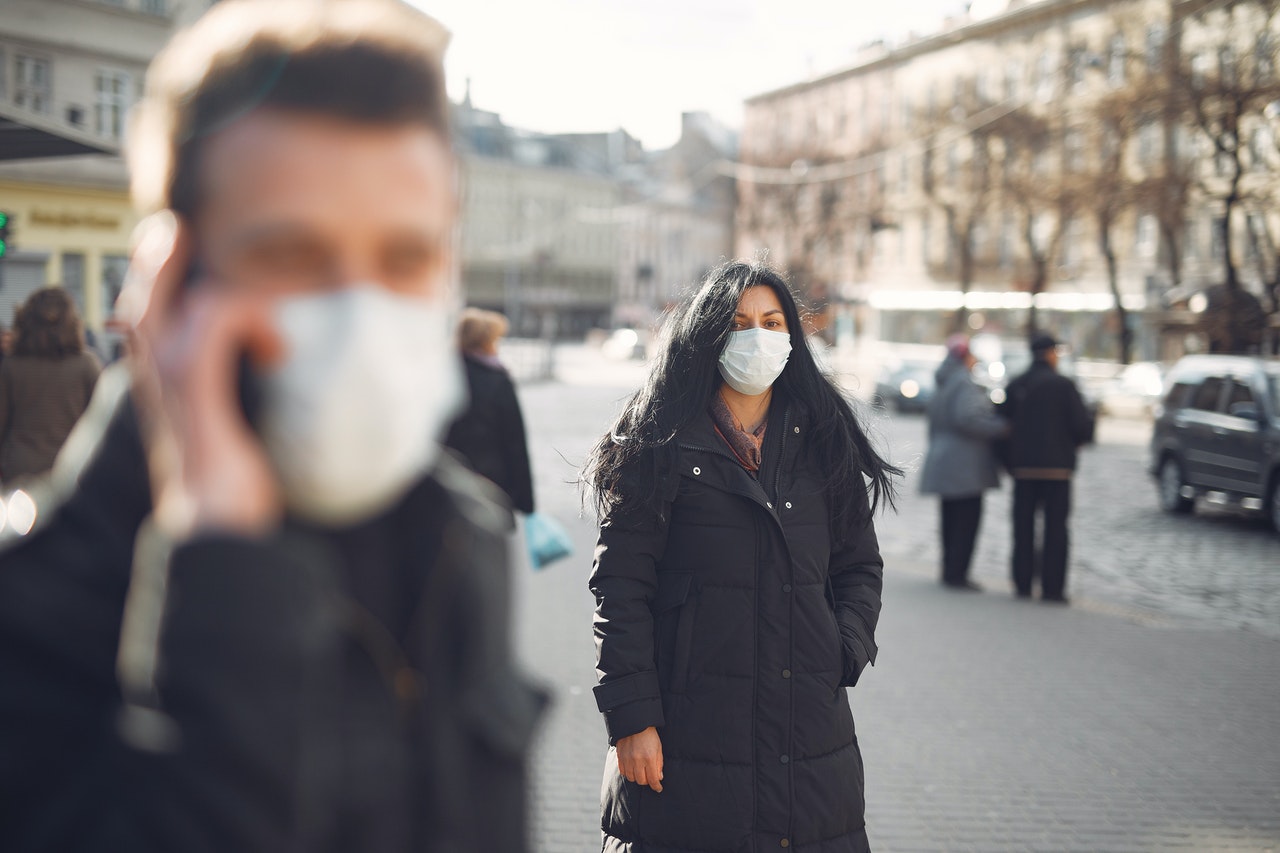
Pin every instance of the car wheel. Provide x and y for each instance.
(1171, 483)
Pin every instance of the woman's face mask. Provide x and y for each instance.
(753, 359)
(355, 414)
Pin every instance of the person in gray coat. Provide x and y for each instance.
(961, 463)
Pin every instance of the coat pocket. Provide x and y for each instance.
(673, 612)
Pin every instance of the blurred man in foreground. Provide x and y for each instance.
(266, 613)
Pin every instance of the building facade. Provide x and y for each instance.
(1036, 165)
(69, 72)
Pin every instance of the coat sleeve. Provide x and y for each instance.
(1082, 420)
(857, 576)
(624, 580)
(516, 448)
(975, 414)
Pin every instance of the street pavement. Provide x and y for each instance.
(1144, 717)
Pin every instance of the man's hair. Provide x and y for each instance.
(368, 61)
(478, 329)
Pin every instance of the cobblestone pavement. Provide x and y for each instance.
(1140, 718)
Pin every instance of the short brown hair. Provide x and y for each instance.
(479, 329)
(367, 61)
(47, 325)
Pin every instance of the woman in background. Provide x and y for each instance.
(45, 384)
(490, 433)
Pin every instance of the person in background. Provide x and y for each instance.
(268, 613)
(45, 384)
(961, 463)
(490, 434)
(737, 582)
(1049, 422)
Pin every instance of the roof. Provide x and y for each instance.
(25, 137)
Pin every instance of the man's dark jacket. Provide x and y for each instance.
(303, 691)
(490, 433)
(1048, 419)
(732, 619)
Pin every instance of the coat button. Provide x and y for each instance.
(786, 842)
(785, 759)
(797, 430)
(696, 471)
(786, 673)
(768, 504)
(786, 587)
(788, 504)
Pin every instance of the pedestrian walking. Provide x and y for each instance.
(268, 613)
(961, 462)
(1048, 423)
(737, 583)
(45, 384)
(490, 434)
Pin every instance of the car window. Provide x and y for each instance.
(1208, 394)
(1239, 393)
(1179, 395)
(1274, 382)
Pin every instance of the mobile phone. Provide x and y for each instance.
(248, 385)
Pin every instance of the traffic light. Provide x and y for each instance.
(5, 240)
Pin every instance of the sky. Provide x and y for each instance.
(597, 65)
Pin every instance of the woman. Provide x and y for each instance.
(490, 433)
(961, 462)
(737, 582)
(45, 384)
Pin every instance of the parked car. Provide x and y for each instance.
(1218, 430)
(906, 384)
(1135, 392)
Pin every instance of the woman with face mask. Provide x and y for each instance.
(737, 582)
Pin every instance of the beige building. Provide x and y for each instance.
(69, 72)
(897, 188)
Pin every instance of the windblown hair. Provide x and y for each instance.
(367, 61)
(47, 325)
(680, 387)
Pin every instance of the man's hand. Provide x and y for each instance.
(208, 470)
(640, 758)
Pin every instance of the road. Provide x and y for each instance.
(1141, 718)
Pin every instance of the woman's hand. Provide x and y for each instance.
(208, 470)
(640, 758)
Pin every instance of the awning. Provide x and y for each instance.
(24, 136)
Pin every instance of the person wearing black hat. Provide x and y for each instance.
(1049, 421)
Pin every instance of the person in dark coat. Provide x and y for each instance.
(961, 463)
(490, 434)
(1049, 421)
(737, 582)
(262, 610)
(44, 386)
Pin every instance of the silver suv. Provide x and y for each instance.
(1218, 430)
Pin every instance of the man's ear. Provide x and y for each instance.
(160, 250)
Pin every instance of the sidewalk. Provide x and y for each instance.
(987, 724)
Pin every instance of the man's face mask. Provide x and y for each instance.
(753, 359)
(354, 415)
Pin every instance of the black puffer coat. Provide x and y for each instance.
(731, 624)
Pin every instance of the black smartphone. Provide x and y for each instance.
(248, 385)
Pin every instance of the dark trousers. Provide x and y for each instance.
(960, 520)
(1053, 499)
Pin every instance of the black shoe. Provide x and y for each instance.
(962, 586)
(1022, 596)
(1055, 599)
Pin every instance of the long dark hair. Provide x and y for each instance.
(47, 325)
(679, 389)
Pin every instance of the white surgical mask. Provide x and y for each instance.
(354, 415)
(753, 359)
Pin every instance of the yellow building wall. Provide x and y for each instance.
(95, 223)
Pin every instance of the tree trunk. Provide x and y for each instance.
(1125, 334)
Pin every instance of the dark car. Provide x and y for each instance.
(1218, 431)
(906, 385)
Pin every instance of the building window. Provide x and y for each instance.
(112, 92)
(1155, 47)
(1145, 239)
(1012, 80)
(31, 82)
(73, 277)
(1116, 61)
